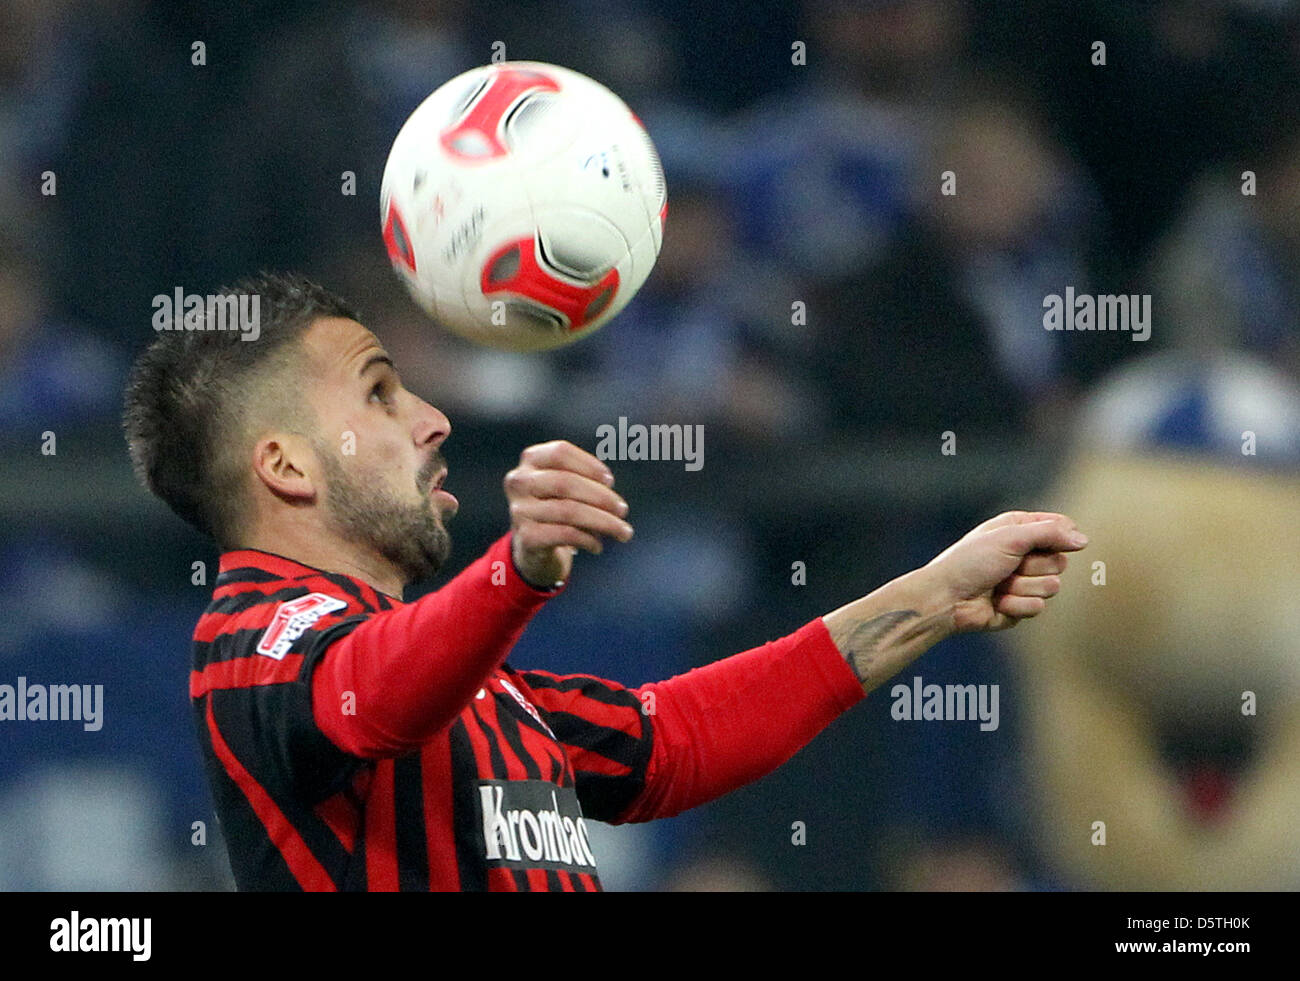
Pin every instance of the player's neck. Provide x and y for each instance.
(317, 548)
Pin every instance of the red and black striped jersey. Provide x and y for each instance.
(355, 742)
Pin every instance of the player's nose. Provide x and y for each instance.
(431, 427)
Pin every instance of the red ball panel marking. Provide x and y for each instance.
(478, 134)
(513, 268)
(397, 241)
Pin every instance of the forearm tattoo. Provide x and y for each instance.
(861, 645)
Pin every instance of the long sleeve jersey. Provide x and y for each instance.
(356, 742)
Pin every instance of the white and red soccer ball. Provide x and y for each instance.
(523, 205)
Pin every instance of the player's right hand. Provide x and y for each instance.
(561, 500)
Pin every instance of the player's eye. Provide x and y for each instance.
(380, 393)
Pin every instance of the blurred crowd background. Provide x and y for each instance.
(792, 187)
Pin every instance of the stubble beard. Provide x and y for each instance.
(411, 536)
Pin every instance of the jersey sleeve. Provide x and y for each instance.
(402, 676)
(657, 750)
(306, 685)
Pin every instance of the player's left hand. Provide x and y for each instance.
(1005, 570)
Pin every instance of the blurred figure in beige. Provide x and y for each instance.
(1164, 702)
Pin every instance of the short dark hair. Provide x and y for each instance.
(193, 394)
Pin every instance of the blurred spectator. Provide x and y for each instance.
(52, 373)
(1185, 85)
(110, 807)
(821, 175)
(946, 330)
(45, 48)
(1226, 277)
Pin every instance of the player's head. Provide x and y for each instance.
(299, 428)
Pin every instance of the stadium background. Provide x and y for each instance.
(813, 183)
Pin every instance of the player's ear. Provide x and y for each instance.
(284, 463)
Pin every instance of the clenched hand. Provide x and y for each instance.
(561, 500)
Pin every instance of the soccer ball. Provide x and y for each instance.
(523, 205)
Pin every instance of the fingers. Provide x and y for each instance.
(575, 514)
(560, 454)
(1044, 587)
(536, 536)
(1019, 607)
(560, 495)
(1013, 518)
(1042, 564)
(1021, 596)
(566, 484)
(1053, 534)
(1037, 577)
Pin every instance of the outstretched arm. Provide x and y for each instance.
(999, 573)
(654, 751)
